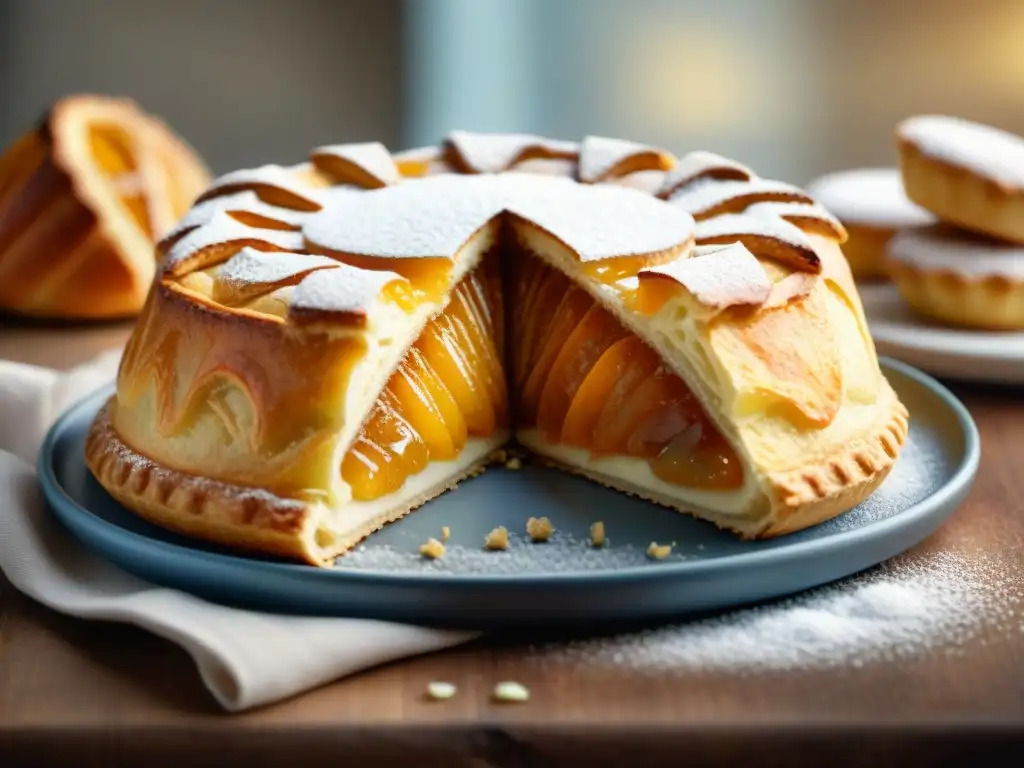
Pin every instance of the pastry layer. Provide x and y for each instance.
(966, 174)
(711, 333)
(960, 279)
(82, 200)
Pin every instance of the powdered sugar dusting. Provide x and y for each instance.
(223, 229)
(732, 276)
(909, 606)
(561, 553)
(276, 176)
(986, 151)
(702, 198)
(948, 249)
(371, 157)
(343, 290)
(767, 236)
(600, 156)
(496, 152)
(247, 201)
(869, 196)
(251, 267)
(700, 165)
(435, 216)
(796, 213)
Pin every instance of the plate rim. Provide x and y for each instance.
(897, 334)
(56, 495)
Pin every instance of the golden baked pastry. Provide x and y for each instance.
(83, 198)
(960, 278)
(330, 345)
(967, 174)
(871, 204)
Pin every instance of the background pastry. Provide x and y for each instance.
(83, 197)
(967, 174)
(960, 278)
(331, 344)
(872, 205)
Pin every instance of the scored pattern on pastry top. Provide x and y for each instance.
(274, 184)
(353, 203)
(605, 158)
(367, 165)
(468, 152)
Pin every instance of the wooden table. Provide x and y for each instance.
(98, 692)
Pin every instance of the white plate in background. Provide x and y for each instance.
(991, 356)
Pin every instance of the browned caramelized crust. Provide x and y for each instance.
(331, 344)
(82, 200)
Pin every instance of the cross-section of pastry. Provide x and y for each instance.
(871, 204)
(330, 345)
(83, 198)
(969, 175)
(960, 278)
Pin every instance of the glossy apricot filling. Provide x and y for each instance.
(111, 149)
(578, 376)
(588, 382)
(450, 386)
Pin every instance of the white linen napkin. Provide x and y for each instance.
(245, 658)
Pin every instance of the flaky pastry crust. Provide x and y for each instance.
(287, 298)
(83, 198)
(959, 195)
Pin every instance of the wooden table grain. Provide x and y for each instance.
(99, 693)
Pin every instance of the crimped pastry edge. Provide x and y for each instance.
(247, 519)
(959, 196)
(982, 302)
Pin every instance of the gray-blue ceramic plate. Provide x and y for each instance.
(563, 582)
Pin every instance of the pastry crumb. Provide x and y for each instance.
(597, 534)
(432, 549)
(445, 532)
(539, 529)
(509, 692)
(659, 551)
(497, 539)
(514, 463)
(499, 456)
(440, 691)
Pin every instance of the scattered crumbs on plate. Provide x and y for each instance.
(659, 551)
(510, 692)
(597, 534)
(497, 539)
(440, 691)
(445, 532)
(514, 463)
(432, 549)
(539, 529)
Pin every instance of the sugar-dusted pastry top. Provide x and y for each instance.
(947, 249)
(870, 197)
(989, 152)
(360, 205)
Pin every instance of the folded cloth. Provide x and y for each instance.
(245, 658)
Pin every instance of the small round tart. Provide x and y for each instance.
(967, 174)
(960, 279)
(83, 199)
(871, 204)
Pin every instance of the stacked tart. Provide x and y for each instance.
(968, 268)
(328, 346)
(83, 198)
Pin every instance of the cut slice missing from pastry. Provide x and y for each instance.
(330, 345)
(83, 198)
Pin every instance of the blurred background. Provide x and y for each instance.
(792, 87)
